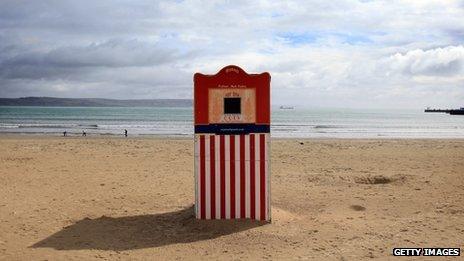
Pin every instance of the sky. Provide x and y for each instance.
(346, 54)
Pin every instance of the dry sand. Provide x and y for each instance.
(114, 198)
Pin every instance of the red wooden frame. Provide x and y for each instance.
(231, 77)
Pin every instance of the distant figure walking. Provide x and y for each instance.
(64, 133)
(84, 134)
(125, 133)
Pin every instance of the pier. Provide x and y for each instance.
(437, 110)
(459, 111)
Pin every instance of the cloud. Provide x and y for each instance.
(448, 61)
(320, 53)
(67, 60)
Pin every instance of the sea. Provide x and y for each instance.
(178, 122)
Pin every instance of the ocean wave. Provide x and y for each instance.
(9, 126)
(88, 125)
(48, 126)
(327, 127)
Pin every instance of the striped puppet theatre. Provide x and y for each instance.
(232, 137)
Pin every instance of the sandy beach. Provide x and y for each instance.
(79, 198)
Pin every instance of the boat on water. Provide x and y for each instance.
(286, 107)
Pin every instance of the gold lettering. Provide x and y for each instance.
(235, 70)
(231, 86)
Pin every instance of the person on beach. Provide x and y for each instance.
(64, 133)
(84, 134)
(125, 133)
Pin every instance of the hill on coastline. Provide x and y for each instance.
(93, 102)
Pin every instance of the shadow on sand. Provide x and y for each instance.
(135, 232)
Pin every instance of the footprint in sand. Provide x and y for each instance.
(357, 208)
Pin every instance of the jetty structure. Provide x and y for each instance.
(459, 111)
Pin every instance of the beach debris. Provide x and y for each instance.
(357, 208)
(378, 179)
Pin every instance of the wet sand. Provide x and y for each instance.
(84, 198)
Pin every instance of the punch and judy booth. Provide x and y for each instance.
(232, 128)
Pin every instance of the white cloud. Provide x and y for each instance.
(319, 53)
(444, 62)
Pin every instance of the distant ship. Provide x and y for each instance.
(459, 111)
(286, 107)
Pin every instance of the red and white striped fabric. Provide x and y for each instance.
(232, 176)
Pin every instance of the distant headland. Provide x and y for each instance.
(93, 102)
